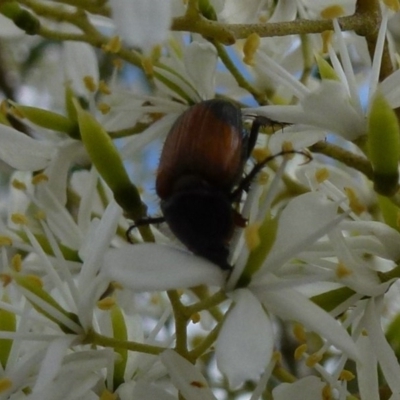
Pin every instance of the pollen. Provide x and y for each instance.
(90, 83)
(313, 360)
(334, 11)
(156, 53)
(252, 236)
(19, 185)
(104, 88)
(5, 241)
(327, 392)
(250, 47)
(106, 304)
(299, 332)
(195, 318)
(19, 219)
(326, 40)
(114, 45)
(300, 351)
(321, 174)
(5, 384)
(346, 375)
(104, 108)
(263, 178)
(16, 262)
(342, 271)
(356, 206)
(39, 178)
(364, 332)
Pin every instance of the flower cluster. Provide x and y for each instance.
(309, 308)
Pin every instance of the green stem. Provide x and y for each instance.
(100, 340)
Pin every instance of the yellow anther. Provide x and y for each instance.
(5, 384)
(16, 262)
(114, 45)
(342, 271)
(19, 219)
(104, 88)
(118, 63)
(107, 395)
(147, 65)
(313, 359)
(287, 147)
(90, 83)
(299, 332)
(106, 304)
(356, 206)
(104, 108)
(346, 375)
(250, 47)
(260, 154)
(252, 236)
(17, 184)
(39, 178)
(334, 11)
(321, 174)
(5, 279)
(299, 352)
(327, 392)
(394, 5)
(195, 318)
(5, 241)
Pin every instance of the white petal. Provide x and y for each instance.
(79, 61)
(309, 388)
(201, 64)
(142, 23)
(143, 391)
(295, 227)
(51, 363)
(146, 267)
(186, 377)
(246, 341)
(385, 354)
(367, 369)
(22, 152)
(292, 305)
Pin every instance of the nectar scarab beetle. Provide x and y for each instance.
(200, 177)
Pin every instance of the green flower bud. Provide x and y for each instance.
(383, 145)
(120, 333)
(108, 163)
(8, 323)
(325, 69)
(48, 119)
(33, 286)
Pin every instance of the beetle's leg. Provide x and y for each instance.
(142, 222)
(257, 123)
(245, 183)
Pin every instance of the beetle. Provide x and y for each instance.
(200, 177)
